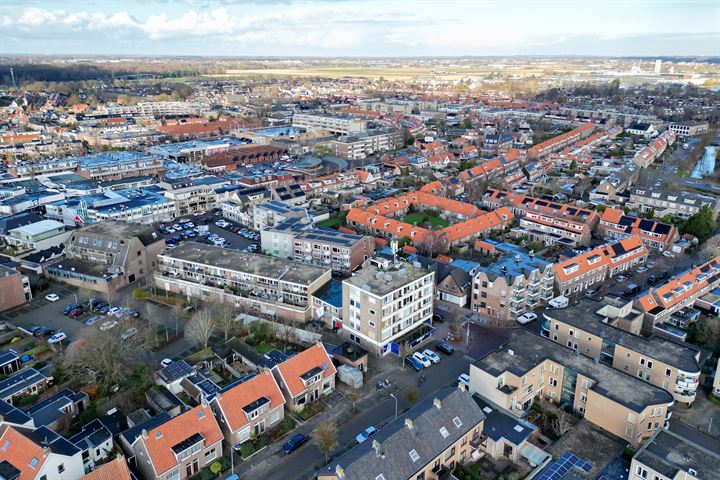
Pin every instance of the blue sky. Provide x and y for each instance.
(360, 28)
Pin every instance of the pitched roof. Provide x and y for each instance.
(115, 470)
(233, 401)
(294, 367)
(161, 439)
(21, 452)
(605, 256)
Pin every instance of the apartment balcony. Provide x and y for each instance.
(685, 396)
(507, 389)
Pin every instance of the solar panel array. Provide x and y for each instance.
(562, 466)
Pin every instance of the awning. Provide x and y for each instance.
(534, 455)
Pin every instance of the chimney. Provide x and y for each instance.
(340, 472)
(510, 352)
(409, 424)
(144, 433)
(437, 403)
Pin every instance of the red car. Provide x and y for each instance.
(76, 313)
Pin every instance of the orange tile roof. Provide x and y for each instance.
(601, 257)
(160, 440)
(232, 401)
(20, 452)
(684, 286)
(291, 369)
(616, 220)
(114, 470)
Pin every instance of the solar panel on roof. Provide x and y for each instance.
(572, 211)
(542, 203)
(662, 228)
(625, 220)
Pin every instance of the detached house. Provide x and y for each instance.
(249, 408)
(180, 447)
(305, 376)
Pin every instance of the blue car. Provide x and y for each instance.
(413, 363)
(294, 443)
(71, 307)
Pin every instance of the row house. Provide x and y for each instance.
(645, 157)
(579, 273)
(676, 204)
(556, 144)
(615, 224)
(306, 377)
(660, 303)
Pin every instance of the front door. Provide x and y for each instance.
(192, 468)
(507, 451)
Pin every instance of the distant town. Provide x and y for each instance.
(359, 269)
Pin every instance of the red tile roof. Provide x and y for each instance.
(601, 257)
(232, 401)
(114, 470)
(160, 440)
(291, 369)
(20, 451)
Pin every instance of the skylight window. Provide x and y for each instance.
(201, 414)
(6, 445)
(414, 455)
(34, 463)
(444, 432)
(380, 477)
(457, 422)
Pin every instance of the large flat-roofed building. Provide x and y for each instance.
(324, 247)
(111, 166)
(517, 283)
(193, 195)
(607, 331)
(670, 456)
(333, 124)
(426, 442)
(105, 256)
(38, 236)
(261, 283)
(691, 129)
(579, 273)
(269, 214)
(384, 309)
(530, 366)
(676, 204)
(359, 146)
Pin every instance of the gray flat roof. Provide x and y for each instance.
(584, 316)
(270, 267)
(529, 350)
(381, 282)
(668, 452)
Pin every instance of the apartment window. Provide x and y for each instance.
(642, 361)
(372, 324)
(649, 364)
(552, 382)
(210, 455)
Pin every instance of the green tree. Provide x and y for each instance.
(700, 225)
(467, 123)
(573, 165)
(321, 151)
(651, 213)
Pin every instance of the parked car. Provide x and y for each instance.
(115, 311)
(642, 269)
(57, 338)
(446, 348)
(294, 443)
(165, 362)
(70, 307)
(365, 434)
(78, 312)
(422, 359)
(133, 313)
(108, 325)
(526, 318)
(438, 318)
(91, 320)
(621, 278)
(668, 254)
(52, 297)
(129, 333)
(412, 363)
(464, 381)
(434, 358)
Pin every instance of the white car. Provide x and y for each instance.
(57, 338)
(422, 359)
(526, 318)
(108, 325)
(434, 357)
(464, 381)
(365, 434)
(129, 333)
(115, 311)
(165, 362)
(52, 297)
(668, 254)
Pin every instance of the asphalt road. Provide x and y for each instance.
(302, 463)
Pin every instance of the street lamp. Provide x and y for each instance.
(396, 404)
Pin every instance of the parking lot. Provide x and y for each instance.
(206, 230)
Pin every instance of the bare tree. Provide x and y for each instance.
(475, 190)
(353, 396)
(411, 395)
(325, 436)
(561, 424)
(201, 326)
(225, 318)
(288, 330)
(434, 243)
(105, 355)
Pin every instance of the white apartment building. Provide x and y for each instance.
(333, 124)
(356, 147)
(386, 309)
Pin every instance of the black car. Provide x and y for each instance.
(446, 348)
(438, 318)
(70, 307)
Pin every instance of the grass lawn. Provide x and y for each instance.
(436, 221)
(334, 222)
(199, 356)
(414, 218)
(264, 347)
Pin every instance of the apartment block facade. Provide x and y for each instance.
(262, 284)
(357, 147)
(386, 308)
(676, 204)
(333, 124)
(670, 456)
(530, 366)
(14, 288)
(598, 330)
